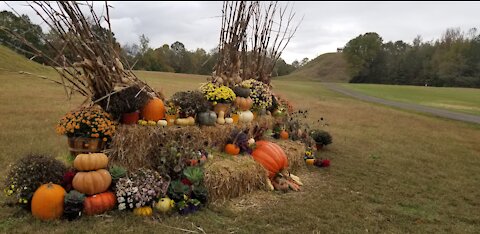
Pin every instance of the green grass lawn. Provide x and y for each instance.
(466, 100)
(391, 171)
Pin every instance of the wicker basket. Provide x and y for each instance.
(85, 145)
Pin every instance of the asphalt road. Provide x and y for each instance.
(403, 105)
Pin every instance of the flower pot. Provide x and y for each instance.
(170, 119)
(319, 146)
(130, 118)
(85, 145)
(225, 107)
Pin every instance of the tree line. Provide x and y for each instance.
(140, 56)
(452, 60)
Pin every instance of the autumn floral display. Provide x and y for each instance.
(90, 122)
(221, 94)
(259, 92)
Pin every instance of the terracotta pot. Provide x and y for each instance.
(130, 118)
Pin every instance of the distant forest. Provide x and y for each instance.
(452, 60)
(140, 56)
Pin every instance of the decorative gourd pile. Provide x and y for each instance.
(94, 180)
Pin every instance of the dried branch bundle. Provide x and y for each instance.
(97, 71)
(252, 38)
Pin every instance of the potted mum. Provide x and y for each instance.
(322, 138)
(221, 97)
(87, 129)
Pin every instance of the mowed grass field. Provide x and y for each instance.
(466, 100)
(391, 171)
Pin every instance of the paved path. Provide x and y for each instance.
(403, 105)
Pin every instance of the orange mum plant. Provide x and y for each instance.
(90, 122)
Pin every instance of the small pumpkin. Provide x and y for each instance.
(165, 204)
(47, 201)
(99, 203)
(154, 110)
(162, 123)
(243, 104)
(284, 135)
(228, 120)
(251, 141)
(232, 149)
(271, 156)
(92, 182)
(90, 162)
(207, 118)
(143, 211)
(245, 117)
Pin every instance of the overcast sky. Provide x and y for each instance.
(326, 25)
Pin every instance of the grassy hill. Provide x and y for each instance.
(10, 61)
(329, 67)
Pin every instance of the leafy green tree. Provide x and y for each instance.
(361, 53)
(23, 26)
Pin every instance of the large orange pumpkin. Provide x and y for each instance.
(92, 182)
(47, 202)
(90, 162)
(271, 156)
(99, 203)
(154, 110)
(244, 103)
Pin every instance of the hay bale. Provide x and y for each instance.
(228, 177)
(295, 151)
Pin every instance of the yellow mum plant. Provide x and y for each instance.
(222, 94)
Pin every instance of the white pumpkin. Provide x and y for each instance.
(162, 122)
(228, 120)
(251, 141)
(245, 116)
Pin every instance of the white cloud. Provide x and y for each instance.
(326, 25)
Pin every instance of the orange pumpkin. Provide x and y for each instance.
(271, 156)
(232, 149)
(47, 202)
(90, 162)
(99, 203)
(284, 135)
(244, 103)
(92, 182)
(154, 110)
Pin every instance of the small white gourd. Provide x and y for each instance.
(228, 120)
(162, 122)
(221, 119)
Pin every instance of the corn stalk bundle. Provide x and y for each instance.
(252, 38)
(96, 72)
